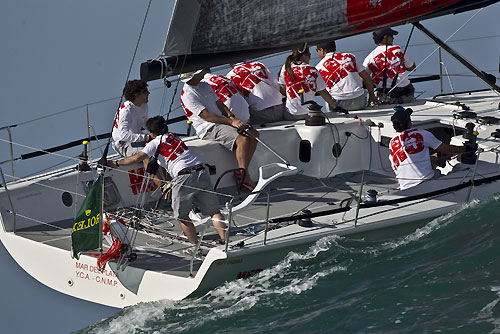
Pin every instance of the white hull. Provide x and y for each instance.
(56, 269)
(47, 258)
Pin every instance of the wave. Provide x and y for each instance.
(413, 282)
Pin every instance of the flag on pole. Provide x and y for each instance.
(87, 228)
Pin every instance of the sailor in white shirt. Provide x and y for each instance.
(387, 66)
(298, 78)
(261, 90)
(212, 120)
(409, 148)
(229, 94)
(344, 76)
(190, 181)
(131, 118)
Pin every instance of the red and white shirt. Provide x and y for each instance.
(410, 156)
(196, 98)
(129, 123)
(257, 85)
(375, 65)
(340, 71)
(229, 94)
(173, 155)
(305, 77)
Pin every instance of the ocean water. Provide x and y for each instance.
(443, 277)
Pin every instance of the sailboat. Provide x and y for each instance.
(316, 186)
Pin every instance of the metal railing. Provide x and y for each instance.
(11, 160)
(231, 221)
(10, 200)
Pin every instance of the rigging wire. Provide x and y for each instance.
(436, 49)
(431, 107)
(103, 158)
(395, 79)
(341, 180)
(137, 45)
(222, 67)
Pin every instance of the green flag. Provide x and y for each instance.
(87, 227)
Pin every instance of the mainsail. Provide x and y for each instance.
(205, 33)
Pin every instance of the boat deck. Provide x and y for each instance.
(160, 245)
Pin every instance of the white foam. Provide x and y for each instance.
(263, 282)
(487, 312)
(133, 318)
(231, 298)
(433, 225)
(292, 275)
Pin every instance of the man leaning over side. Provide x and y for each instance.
(190, 181)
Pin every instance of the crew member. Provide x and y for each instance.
(130, 120)
(261, 90)
(297, 76)
(409, 148)
(190, 182)
(212, 120)
(387, 66)
(229, 94)
(344, 76)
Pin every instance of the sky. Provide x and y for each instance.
(60, 55)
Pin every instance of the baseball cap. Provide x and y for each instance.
(379, 34)
(401, 115)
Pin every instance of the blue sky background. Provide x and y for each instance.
(61, 54)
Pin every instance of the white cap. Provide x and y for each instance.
(185, 77)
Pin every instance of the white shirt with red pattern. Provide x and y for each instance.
(375, 64)
(196, 98)
(306, 77)
(257, 85)
(340, 71)
(173, 155)
(410, 156)
(229, 94)
(129, 123)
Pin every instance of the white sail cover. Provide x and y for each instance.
(214, 26)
